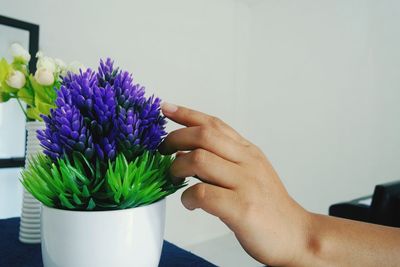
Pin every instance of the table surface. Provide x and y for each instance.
(13, 253)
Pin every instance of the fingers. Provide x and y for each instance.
(208, 167)
(218, 201)
(189, 117)
(202, 137)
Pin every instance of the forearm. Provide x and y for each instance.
(334, 241)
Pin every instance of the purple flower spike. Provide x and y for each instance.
(102, 114)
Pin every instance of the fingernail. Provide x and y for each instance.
(168, 107)
(187, 203)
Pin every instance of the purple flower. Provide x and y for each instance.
(65, 130)
(102, 114)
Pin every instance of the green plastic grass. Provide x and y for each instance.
(76, 184)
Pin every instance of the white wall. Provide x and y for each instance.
(12, 127)
(12, 134)
(314, 84)
(323, 90)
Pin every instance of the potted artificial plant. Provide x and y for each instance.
(35, 94)
(101, 180)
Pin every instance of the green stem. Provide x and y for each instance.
(23, 110)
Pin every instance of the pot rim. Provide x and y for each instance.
(103, 211)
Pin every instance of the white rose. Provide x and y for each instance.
(75, 66)
(46, 63)
(60, 65)
(18, 51)
(16, 79)
(44, 76)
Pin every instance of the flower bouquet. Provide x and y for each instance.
(101, 180)
(36, 90)
(35, 93)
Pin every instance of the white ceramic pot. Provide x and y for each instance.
(29, 230)
(130, 237)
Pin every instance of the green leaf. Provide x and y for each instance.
(79, 175)
(33, 114)
(85, 191)
(65, 202)
(76, 199)
(80, 157)
(26, 95)
(4, 97)
(8, 89)
(5, 69)
(40, 91)
(49, 180)
(43, 96)
(91, 204)
(57, 177)
(43, 108)
(68, 177)
(80, 184)
(98, 186)
(20, 64)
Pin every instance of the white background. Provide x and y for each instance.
(314, 83)
(12, 132)
(12, 125)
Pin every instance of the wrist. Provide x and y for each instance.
(310, 246)
(307, 245)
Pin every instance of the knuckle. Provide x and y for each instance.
(215, 122)
(199, 192)
(204, 134)
(198, 156)
(255, 152)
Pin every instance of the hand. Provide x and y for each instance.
(239, 186)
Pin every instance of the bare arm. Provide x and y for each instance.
(340, 242)
(240, 187)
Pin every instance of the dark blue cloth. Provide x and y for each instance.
(13, 253)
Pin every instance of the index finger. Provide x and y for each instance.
(189, 117)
